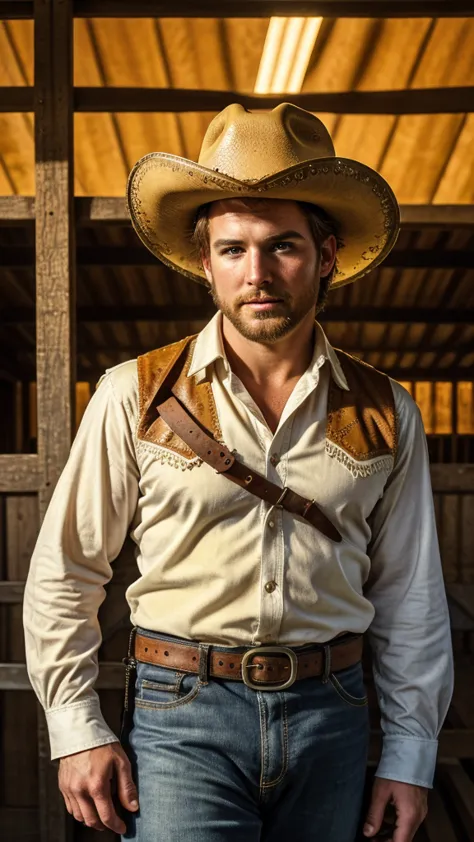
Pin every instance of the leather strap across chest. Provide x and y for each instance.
(219, 457)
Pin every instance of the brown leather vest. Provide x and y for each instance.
(361, 426)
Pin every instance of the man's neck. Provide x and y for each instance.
(271, 365)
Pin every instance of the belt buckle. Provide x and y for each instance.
(260, 650)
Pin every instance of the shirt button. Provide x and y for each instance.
(271, 523)
(270, 587)
(274, 459)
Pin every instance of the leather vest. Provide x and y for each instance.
(361, 429)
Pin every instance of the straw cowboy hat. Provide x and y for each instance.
(286, 153)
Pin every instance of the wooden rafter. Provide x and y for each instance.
(21, 9)
(19, 473)
(87, 346)
(23, 256)
(202, 312)
(112, 210)
(455, 100)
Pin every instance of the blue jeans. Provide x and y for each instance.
(217, 761)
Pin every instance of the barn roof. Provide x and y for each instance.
(363, 77)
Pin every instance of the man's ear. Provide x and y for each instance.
(328, 255)
(206, 265)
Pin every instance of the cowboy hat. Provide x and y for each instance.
(286, 153)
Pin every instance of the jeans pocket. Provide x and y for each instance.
(159, 687)
(349, 685)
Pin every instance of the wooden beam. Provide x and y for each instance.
(55, 253)
(55, 302)
(11, 593)
(204, 311)
(84, 346)
(17, 210)
(23, 256)
(267, 8)
(19, 473)
(424, 101)
(112, 210)
(455, 100)
(435, 375)
(23, 9)
(436, 216)
(453, 479)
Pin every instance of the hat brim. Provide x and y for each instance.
(165, 191)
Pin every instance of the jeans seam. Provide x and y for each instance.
(263, 741)
(143, 703)
(354, 701)
(284, 767)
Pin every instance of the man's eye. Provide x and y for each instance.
(232, 250)
(283, 246)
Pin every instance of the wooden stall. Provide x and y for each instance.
(86, 88)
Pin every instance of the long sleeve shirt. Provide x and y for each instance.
(205, 549)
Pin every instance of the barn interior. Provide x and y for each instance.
(86, 89)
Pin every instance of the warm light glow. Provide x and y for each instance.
(270, 54)
(303, 55)
(286, 54)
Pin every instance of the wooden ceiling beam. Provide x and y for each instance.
(21, 9)
(423, 101)
(436, 375)
(88, 347)
(23, 256)
(202, 312)
(112, 210)
(455, 100)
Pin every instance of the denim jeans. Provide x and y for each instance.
(217, 761)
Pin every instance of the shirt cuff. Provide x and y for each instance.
(410, 760)
(77, 727)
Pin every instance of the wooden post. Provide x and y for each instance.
(55, 299)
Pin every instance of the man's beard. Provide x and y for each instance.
(265, 326)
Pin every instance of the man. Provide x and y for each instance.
(252, 595)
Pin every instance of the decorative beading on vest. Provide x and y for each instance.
(361, 427)
(362, 423)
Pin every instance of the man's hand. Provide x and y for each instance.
(85, 780)
(409, 801)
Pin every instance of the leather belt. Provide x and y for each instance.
(263, 667)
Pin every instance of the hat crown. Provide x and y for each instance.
(249, 146)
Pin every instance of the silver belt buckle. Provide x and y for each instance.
(262, 650)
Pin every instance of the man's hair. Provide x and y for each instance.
(320, 224)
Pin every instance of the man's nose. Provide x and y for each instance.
(258, 270)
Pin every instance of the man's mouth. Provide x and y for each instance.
(263, 303)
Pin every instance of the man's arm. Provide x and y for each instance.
(83, 531)
(410, 633)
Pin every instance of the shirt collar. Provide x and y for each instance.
(209, 347)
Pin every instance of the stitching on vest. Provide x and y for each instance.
(360, 468)
(168, 457)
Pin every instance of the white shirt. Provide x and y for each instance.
(205, 549)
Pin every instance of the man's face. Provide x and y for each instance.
(263, 266)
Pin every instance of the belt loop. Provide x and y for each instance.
(327, 663)
(204, 662)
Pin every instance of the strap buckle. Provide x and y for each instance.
(261, 650)
(279, 502)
